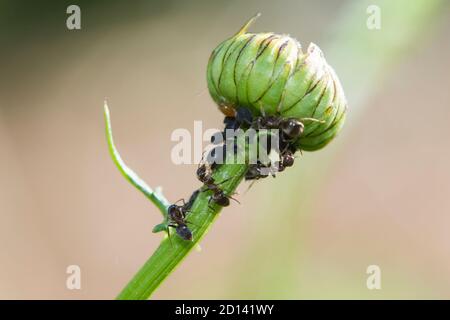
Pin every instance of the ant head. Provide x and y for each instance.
(174, 211)
(281, 167)
(288, 160)
(201, 170)
(184, 232)
(292, 128)
(173, 208)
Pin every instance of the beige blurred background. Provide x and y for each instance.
(379, 194)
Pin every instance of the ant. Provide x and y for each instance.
(291, 128)
(204, 174)
(176, 218)
(259, 170)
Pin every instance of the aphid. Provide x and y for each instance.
(230, 123)
(290, 130)
(242, 120)
(259, 170)
(254, 172)
(244, 117)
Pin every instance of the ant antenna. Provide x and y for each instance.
(203, 157)
(233, 199)
(251, 185)
(182, 199)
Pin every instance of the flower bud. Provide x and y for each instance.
(270, 75)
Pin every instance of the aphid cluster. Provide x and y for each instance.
(289, 129)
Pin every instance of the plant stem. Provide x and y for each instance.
(156, 197)
(172, 251)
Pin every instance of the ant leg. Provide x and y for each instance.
(205, 188)
(201, 161)
(209, 204)
(232, 194)
(251, 185)
(168, 234)
(219, 183)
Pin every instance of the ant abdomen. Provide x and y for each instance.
(184, 232)
(220, 199)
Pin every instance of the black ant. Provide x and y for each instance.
(259, 170)
(291, 128)
(204, 174)
(177, 217)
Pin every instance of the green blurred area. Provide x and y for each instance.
(377, 195)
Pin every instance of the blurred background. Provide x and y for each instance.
(377, 195)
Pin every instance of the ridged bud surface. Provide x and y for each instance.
(271, 75)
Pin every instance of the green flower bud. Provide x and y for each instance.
(270, 75)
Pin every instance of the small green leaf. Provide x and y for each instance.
(160, 227)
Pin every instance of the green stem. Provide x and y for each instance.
(172, 251)
(156, 197)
